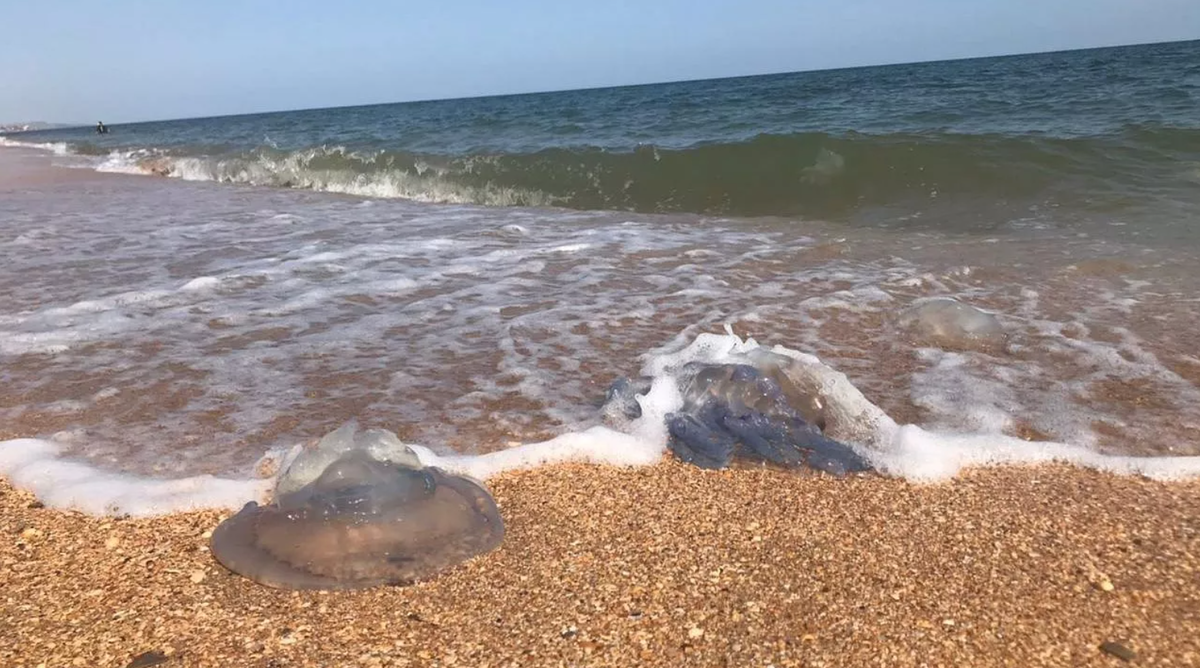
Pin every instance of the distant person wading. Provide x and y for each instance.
(101, 128)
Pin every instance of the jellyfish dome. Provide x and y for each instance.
(951, 324)
(352, 513)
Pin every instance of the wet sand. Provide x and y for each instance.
(658, 566)
(27, 169)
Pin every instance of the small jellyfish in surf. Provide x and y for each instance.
(620, 401)
(743, 411)
(949, 323)
(359, 510)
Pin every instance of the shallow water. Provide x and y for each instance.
(174, 328)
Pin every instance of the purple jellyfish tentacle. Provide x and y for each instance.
(696, 442)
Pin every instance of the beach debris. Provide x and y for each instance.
(751, 410)
(358, 510)
(147, 660)
(951, 324)
(1118, 649)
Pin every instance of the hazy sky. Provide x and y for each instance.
(122, 60)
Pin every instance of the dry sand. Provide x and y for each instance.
(658, 566)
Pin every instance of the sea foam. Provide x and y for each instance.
(37, 466)
(907, 451)
(57, 148)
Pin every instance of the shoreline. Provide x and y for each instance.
(29, 168)
(1020, 566)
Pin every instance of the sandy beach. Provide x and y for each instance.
(657, 566)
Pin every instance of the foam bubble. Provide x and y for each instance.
(907, 451)
(200, 284)
(127, 162)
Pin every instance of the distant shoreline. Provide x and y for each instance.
(18, 128)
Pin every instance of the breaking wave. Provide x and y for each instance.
(815, 174)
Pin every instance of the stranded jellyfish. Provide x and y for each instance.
(359, 510)
(750, 411)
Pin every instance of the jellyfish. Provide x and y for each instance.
(620, 401)
(948, 323)
(750, 411)
(358, 511)
(742, 410)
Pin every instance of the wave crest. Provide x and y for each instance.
(816, 174)
(329, 169)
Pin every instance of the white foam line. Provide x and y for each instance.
(598, 445)
(57, 148)
(919, 455)
(644, 445)
(37, 466)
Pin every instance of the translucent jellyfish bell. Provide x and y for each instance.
(951, 324)
(314, 459)
(362, 521)
(754, 412)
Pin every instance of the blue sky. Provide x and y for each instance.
(124, 60)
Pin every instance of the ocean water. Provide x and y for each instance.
(473, 274)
